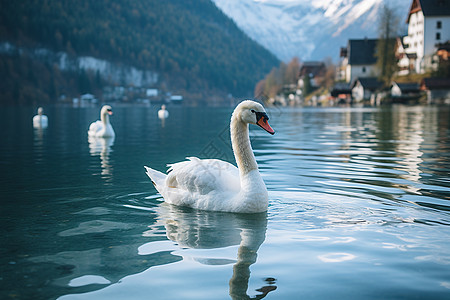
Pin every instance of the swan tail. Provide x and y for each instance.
(158, 179)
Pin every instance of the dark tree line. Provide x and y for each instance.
(191, 43)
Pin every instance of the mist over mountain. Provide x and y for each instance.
(309, 30)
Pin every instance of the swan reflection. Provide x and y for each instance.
(38, 144)
(195, 229)
(101, 146)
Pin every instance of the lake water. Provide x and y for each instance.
(359, 207)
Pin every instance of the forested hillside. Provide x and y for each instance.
(191, 44)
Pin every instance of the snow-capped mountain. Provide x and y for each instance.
(309, 30)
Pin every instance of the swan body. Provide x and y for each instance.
(102, 127)
(40, 120)
(212, 184)
(163, 113)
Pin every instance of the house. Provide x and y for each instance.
(437, 89)
(88, 98)
(443, 51)
(358, 59)
(365, 88)
(151, 92)
(428, 24)
(341, 92)
(406, 61)
(176, 99)
(405, 91)
(315, 70)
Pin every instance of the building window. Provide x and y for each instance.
(438, 36)
(364, 69)
(438, 24)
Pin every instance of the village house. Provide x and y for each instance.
(405, 91)
(358, 60)
(443, 57)
(341, 93)
(428, 25)
(406, 61)
(443, 51)
(437, 90)
(315, 70)
(365, 88)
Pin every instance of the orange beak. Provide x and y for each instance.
(264, 124)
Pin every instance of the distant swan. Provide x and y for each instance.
(212, 184)
(163, 113)
(40, 120)
(102, 128)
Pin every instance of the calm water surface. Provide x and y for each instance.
(359, 207)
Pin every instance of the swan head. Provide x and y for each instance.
(106, 110)
(252, 112)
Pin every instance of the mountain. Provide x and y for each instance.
(54, 47)
(309, 30)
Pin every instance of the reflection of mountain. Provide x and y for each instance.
(208, 230)
(102, 147)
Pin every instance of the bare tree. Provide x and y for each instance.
(388, 29)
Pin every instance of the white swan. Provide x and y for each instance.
(163, 113)
(212, 184)
(102, 127)
(40, 120)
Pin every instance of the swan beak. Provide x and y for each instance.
(263, 123)
(110, 112)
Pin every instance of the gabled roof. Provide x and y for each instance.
(369, 83)
(313, 68)
(434, 83)
(409, 87)
(341, 88)
(362, 52)
(430, 8)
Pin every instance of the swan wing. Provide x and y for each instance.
(40, 121)
(162, 114)
(202, 176)
(95, 127)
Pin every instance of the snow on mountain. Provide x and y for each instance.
(309, 30)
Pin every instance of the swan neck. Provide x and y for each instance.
(240, 141)
(104, 118)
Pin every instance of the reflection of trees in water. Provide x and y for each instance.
(209, 230)
(99, 146)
